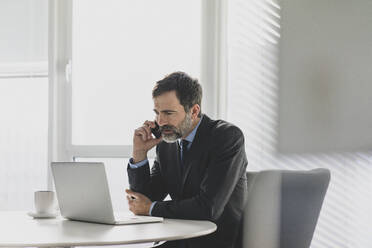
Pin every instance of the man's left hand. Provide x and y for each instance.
(138, 203)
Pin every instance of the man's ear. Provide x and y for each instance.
(195, 110)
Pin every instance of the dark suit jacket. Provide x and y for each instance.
(212, 185)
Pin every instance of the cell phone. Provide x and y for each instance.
(156, 131)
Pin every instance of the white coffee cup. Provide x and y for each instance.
(45, 202)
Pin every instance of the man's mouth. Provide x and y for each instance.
(167, 131)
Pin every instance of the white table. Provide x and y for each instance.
(17, 229)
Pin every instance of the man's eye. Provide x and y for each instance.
(168, 113)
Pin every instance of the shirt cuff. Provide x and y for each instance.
(136, 165)
(152, 206)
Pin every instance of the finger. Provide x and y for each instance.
(135, 195)
(131, 192)
(154, 142)
(150, 124)
(147, 126)
(132, 195)
(145, 133)
(147, 129)
(141, 132)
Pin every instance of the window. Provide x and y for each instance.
(114, 52)
(23, 101)
(119, 50)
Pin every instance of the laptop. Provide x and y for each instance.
(83, 194)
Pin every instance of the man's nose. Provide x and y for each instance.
(161, 120)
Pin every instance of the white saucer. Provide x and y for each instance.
(43, 215)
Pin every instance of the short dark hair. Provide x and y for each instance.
(188, 90)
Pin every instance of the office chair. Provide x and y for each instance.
(283, 207)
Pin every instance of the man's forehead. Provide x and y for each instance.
(167, 100)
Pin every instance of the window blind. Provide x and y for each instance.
(253, 31)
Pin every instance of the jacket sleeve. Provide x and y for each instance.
(149, 183)
(227, 164)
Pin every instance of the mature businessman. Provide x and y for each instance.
(200, 163)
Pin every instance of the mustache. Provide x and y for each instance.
(167, 128)
(175, 131)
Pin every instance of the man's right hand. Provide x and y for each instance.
(143, 141)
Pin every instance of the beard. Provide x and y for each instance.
(177, 132)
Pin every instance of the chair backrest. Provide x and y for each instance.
(283, 207)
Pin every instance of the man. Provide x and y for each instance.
(200, 163)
